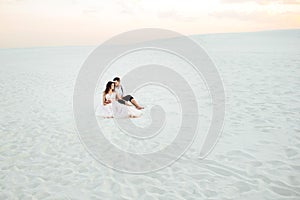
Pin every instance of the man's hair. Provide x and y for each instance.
(116, 79)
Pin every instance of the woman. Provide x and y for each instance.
(105, 109)
(110, 106)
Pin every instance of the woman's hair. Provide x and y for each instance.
(108, 86)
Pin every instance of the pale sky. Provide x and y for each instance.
(29, 23)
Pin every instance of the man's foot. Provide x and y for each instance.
(139, 107)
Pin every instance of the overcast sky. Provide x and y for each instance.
(27, 23)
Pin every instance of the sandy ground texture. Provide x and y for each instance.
(257, 156)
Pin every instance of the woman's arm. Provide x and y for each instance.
(103, 99)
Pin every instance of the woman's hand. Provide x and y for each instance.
(107, 102)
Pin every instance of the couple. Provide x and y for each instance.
(115, 104)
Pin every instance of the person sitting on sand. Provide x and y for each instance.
(120, 91)
(110, 106)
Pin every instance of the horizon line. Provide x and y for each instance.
(93, 45)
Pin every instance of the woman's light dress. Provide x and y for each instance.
(115, 109)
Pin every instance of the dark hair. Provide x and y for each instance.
(108, 86)
(116, 79)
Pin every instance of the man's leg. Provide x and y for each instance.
(127, 97)
(136, 104)
(133, 101)
(121, 101)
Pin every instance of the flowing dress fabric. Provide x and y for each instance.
(124, 111)
(105, 110)
(116, 109)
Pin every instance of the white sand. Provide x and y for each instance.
(257, 157)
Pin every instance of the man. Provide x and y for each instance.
(120, 91)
